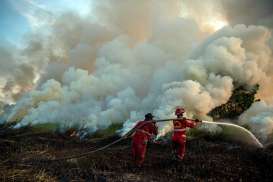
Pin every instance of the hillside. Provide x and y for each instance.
(26, 153)
(206, 160)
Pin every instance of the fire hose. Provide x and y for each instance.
(127, 135)
(245, 135)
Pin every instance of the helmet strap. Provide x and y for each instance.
(180, 115)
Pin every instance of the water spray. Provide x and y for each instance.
(231, 132)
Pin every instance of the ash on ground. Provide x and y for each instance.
(23, 155)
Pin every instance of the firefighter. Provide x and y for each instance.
(179, 133)
(144, 131)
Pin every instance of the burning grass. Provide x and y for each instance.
(23, 152)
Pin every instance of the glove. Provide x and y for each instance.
(153, 137)
(154, 140)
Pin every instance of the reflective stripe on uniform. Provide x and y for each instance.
(145, 132)
(184, 129)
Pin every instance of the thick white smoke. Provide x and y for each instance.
(259, 118)
(138, 57)
(211, 14)
(15, 76)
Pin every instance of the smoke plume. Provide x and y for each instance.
(134, 57)
(15, 76)
(259, 118)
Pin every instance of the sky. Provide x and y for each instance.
(17, 17)
(13, 24)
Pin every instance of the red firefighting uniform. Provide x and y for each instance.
(179, 135)
(144, 132)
